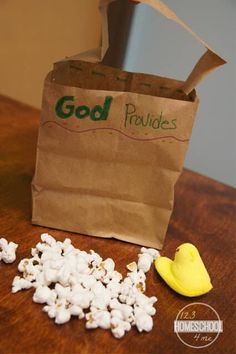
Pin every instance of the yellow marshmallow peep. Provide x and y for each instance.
(186, 274)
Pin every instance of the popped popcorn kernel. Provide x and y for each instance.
(71, 282)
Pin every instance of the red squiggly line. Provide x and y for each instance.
(117, 130)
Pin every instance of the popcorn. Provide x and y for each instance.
(101, 301)
(143, 321)
(137, 278)
(48, 239)
(81, 298)
(108, 265)
(146, 303)
(144, 262)
(103, 319)
(151, 251)
(62, 291)
(119, 327)
(100, 318)
(20, 284)
(87, 281)
(7, 251)
(76, 310)
(42, 294)
(114, 287)
(50, 275)
(62, 316)
(132, 266)
(116, 276)
(72, 282)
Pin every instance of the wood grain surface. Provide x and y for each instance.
(204, 214)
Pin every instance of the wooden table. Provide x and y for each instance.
(204, 214)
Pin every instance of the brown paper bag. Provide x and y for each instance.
(112, 144)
